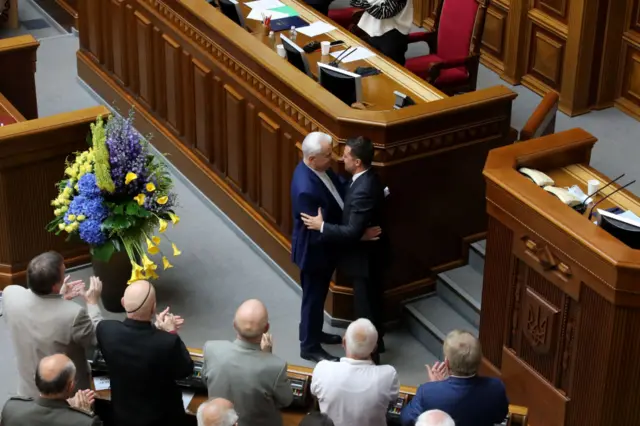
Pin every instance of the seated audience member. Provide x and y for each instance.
(355, 391)
(316, 419)
(55, 379)
(387, 23)
(246, 372)
(456, 388)
(435, 418)
(217, 412)
(144, 361)
(42, 322)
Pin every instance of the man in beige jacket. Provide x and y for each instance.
(43, 321)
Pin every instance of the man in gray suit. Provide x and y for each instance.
(41, 322)
(55, 378)
(246, 372)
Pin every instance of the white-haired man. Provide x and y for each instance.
(314, 185)
(355, 391)
(217, 412)
(435, 418)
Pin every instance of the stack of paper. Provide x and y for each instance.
(354, 54)
(315, 29)
(274, 9)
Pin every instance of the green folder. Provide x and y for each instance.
(287, 10)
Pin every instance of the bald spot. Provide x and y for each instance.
(214, 411)
(134, 296)
(251, 319)
(50, 367)
(433, 417)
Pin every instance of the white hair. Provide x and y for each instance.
(361, 338)
(312, 144)
(228, 416)
(435, 418)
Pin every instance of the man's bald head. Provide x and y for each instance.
(55, 375)
(139, 300)
(217, 412)
(435, 418)
(251, 320)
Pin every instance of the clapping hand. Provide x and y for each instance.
(166, 321)
(439, 371)
(71, 290)
(266, 344)
(372, 234)
(92, 295)
(83, 400)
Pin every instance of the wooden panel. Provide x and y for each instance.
(235, 126)
(634, 25)
(187, 99)
(132, 48)
(429, 8)
(546, 57)
(118, 31)
(95, 29)
(253, 165)
(160, 77)
(105, 12)
(269, 154)
(631, 75)
(289, 154)
(555, 8)
(202, 110)
(219, 158)
(173, 79)
(144, 47)
(495, 27)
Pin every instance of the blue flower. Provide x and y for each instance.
(91, 232)
(87, 185)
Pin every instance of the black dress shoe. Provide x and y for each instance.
(330, 339)
(318, 355)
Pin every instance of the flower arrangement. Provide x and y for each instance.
(115, 195)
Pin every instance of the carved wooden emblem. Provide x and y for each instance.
(539, 322)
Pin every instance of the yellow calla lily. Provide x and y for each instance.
(174, 218)
(136, 273)
(151, 248)
(165, 263)
(176, 252)
(151, 275)
(130, 177)
(155, 239)
(162, 200)
(140, 199)
(148, 264)
(163, 225)
(150, 187)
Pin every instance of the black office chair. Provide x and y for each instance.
(232, 11)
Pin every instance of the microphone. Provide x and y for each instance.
(607, 196)
(600, 189)
(341, 56)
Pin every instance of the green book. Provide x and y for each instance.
(287, 10)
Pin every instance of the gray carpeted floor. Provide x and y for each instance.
(219, 267)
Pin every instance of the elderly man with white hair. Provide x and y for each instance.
(355, 391)
(217, 412)
(435, 418)
(314, 185)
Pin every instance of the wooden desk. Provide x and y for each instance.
(565, 293)
(232, 115)
(18, 57)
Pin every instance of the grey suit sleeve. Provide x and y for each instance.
(83, 331)
(283, 395)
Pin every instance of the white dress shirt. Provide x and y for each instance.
(353, 392)
(324, 177)
(377, 27)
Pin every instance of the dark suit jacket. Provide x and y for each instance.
(363, 207)
(308, 193)
(143, 364)
(476, 401)
(24, 411)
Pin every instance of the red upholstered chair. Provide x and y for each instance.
(5, 120)
(345, 16)
(454, 46)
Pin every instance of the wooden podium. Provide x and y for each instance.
(561, 297)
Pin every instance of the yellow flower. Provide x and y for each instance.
(151, 275)
(130, 177)
(148, 264)
(63, 209)
(152, 249)
(61, 226)
(174, 218)
(139, 198)
(156, 240)
(162, 200)
(163, 225)
(176, 252)
(165, 263)
(55, 203)
(80, 218)
(151, 187)
(68, 228)
(76, 187)
(56, 212)
(136, 273)
(69, 171)
(72, 217)
(66, 202)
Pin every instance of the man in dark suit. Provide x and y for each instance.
(144, 361)
(456, 389)
(315, 186)
(362, 262)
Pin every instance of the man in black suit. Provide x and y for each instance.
(361, 261)
(144, 361)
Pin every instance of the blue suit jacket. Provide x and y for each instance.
(308, 193)
(476, 401)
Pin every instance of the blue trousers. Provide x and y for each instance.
(315, 286)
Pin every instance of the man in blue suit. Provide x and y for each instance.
(456, 389)
(315, 185)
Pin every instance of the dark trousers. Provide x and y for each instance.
(367, 301)
(393, 44)
(315, 286)
(321, 7)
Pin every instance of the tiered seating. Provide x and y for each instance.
(17, 79)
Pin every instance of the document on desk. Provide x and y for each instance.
(264, 4)
(315, 29)
(359, 54)
(260, 14)
(186, 398)
(101, 383)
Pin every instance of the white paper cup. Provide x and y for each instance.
(593, 186)
(281, 51)
(325, 46)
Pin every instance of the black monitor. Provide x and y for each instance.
(345, 85)
(626, 231)
(231, 9)
(295, 55)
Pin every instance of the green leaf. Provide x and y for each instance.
(132, 208)
(119, 209)
(117, 223)
(103, 252)
(89, 139)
